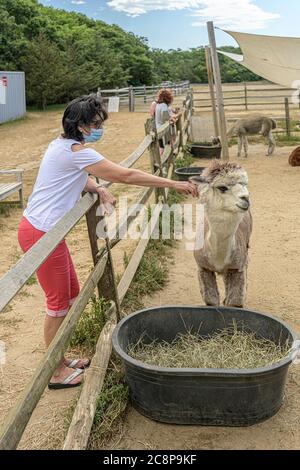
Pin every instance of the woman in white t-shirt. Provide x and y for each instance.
(63, 175)
(164, 112)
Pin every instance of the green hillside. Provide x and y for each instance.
(65, 54)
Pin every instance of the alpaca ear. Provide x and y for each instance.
(198, 181)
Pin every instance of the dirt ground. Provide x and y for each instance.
(273, 280)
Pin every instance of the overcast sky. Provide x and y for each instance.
(172, 24)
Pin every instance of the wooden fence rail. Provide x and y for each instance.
(101, 276)
(248, 97)
(136, 98)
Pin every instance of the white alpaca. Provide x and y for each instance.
(227, 229)
(252, 126)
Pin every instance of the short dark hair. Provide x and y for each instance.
(81, 112)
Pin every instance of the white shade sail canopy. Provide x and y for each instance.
(272, 57)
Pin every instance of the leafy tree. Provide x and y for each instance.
(12, 42)
(65, 54)
(45, 72)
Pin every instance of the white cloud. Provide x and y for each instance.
(138, 7)
(78, 2)
(235, 14)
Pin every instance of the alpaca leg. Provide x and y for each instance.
(208, 287)
(245, 142)
(235, 288)
(272, 143)
(240, 145)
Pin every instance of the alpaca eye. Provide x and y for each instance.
(223, 189)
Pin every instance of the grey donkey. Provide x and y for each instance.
(251, 126)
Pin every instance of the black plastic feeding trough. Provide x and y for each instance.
(186, 172)
(206, 150)
(224, 397)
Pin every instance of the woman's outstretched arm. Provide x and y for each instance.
(115, 173)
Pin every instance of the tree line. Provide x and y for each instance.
(65, 54)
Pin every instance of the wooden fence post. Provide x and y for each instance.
(192, 101)
(287, 117)
(107, 286)
(145, 94)
(107, 283)
(91, 221)
(154, 163)
(131, 99)
(219, 93)
(179, 127)
(212, 89)
(246, 96)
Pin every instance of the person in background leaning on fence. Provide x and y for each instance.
(63, 175)
(152, 108)
(164, 112)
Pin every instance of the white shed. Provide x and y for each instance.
(12, 95)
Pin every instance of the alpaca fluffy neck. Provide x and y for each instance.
(220, 238)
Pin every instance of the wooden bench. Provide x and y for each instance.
(6, 189)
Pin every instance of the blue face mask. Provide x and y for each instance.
(95, 135)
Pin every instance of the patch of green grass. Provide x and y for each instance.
(90, 324)
(151, 276)
(111, 404)
(152, 273)
(284, 140)
(185, 159)
(14, 122)
(174, 197)
(31, 281)
(293, 124)
(50, 107)
(233, 141)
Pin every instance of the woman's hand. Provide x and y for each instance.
(186, 187)
(107, 201)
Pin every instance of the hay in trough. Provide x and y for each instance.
(229, 348)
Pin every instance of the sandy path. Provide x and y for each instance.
(273, 286)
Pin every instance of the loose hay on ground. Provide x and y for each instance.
(229, 348)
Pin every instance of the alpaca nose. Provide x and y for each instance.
(246, 201)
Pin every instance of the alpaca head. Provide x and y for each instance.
(223, 188)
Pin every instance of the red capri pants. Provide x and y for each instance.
(56, 275)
